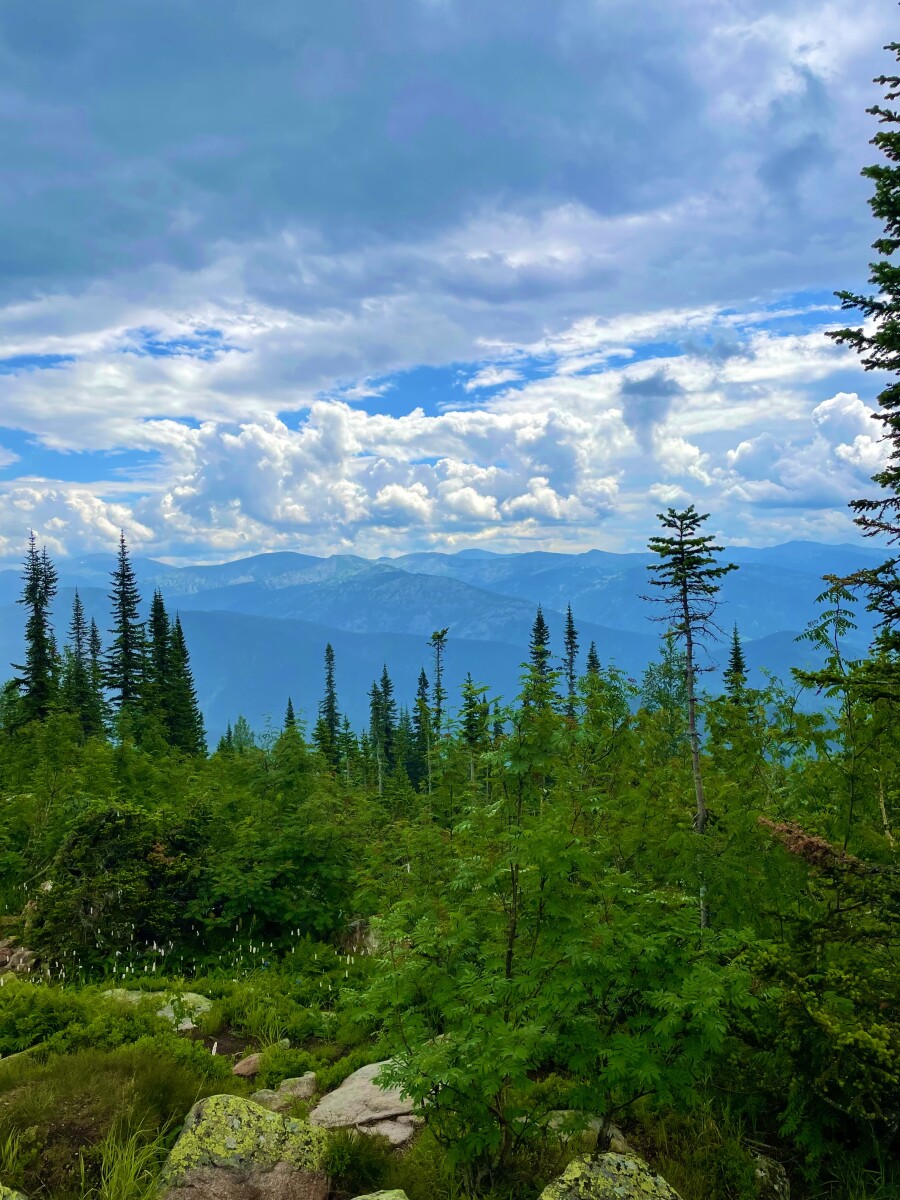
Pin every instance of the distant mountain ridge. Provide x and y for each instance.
(257, 626)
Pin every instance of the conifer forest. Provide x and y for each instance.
(610, 919)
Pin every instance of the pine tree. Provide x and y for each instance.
(593, 660)
(689, 579)
(185, 721)
(878, 344)
(570, 641)
(226, 741)
(438, 646)
(37, 682)
(126, 654)
(539, 645)
(290, 720)
(736, 673)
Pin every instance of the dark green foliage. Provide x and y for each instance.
(121, 878)
(439, 647)
(290, 720)
(539, 645)
(593, 660)
(82, 692)
(183, 717)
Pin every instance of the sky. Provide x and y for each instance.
(375, 276)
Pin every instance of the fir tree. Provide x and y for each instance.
(878, 344)
(736, 673)
(157, 666)
(37, 682)
(593, 660)
(474, 720)
(95, 658)
(226, 741)
(290, 720)
(185, 721)
(126, 653)
(689, 578)
(570, 642)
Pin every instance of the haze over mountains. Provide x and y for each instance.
(257, 627)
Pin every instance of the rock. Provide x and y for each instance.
(772, 1182)
(289, 1090)
(247, 1068)
(177, 1009)
(16, 958)
(230, 1148)
(609, 1177)
(8, 1193)
(392, 1195)
(563, 1117)
(180, 1009)
(360, 1104)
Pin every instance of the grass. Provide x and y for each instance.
(129, 1166)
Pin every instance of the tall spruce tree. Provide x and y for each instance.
(539, 645)
(185, 721)
(290, 719)
(439, 647)
(736, 672)
(878, 344)
(689, 579)
(423, 724)
(326, 734)
(98, 687)
(474, 717)
(38, 680)
(125, 657)
(570, 643)
(77, 686)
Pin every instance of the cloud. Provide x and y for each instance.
(490, 377)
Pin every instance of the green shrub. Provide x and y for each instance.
(282, 1062)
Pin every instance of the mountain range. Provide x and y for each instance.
(257, 627)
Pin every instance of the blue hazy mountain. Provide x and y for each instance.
(257, 627)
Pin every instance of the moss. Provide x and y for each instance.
(609, 1177)
(228, 1131)
(8, 1194)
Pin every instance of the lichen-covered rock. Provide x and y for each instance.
(280, 1099)
(772, 1182)
(230, 1148)
(359, 1103)
(609, 1177)
(178, 1009)
(394, 1195)
(8, 1193)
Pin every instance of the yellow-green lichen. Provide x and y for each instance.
(8, 1193)
(228, 1131)
(609, 1177)
(394, 1195)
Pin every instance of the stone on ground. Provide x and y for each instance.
(280, 1099)
(179, 1010)
(609, 1177)
(360, 1104)
(247, 1068)
(393, 1195)
(8, 1193)
(771, 1179)
(230, 1148)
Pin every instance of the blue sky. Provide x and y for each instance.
(431, 273)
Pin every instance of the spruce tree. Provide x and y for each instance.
(474, 720)
(37, 682)
(327, 731)
(539, 646)
(439, 647)
(226, 741)
(98, 693)
(570, 642)
(736, 672)
(185, 721)
(126, 654)
(422, 723)
(157, 668)
(77, 687)
(290, 719)
(689, 579)
(593, 660)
